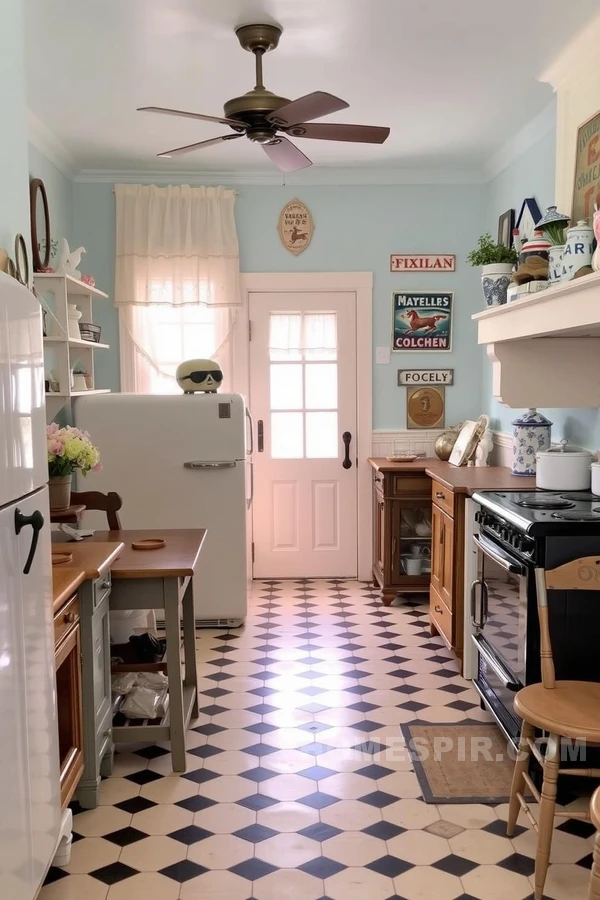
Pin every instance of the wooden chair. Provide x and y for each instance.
(594, 890)
(562, 709)
(109, 503)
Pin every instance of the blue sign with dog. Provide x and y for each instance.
(422, 321)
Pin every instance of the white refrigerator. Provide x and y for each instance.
(181, 461)
(30, 816)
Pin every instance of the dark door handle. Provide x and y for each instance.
(347, 437)
(36, 520)
(260, 437)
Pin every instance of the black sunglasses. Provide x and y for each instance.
(198, 377)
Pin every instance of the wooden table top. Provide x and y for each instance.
(460, 479)
(65, 581)
(177, 558)
(93, 558)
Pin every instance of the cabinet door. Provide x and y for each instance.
(442, 555)
(70, 726)
(379, 530)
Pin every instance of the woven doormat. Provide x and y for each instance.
(462, 763)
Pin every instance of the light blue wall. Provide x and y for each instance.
(356, 229)
(532, 175)
(59, 189)
(14, 192)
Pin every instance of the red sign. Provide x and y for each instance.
(422, 262)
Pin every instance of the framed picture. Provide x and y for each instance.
(586, 185)
(506, 223)
(529, 216)
(422, 320)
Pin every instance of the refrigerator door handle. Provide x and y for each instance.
(36, 520)
(251, 429)
(228, 464)
(251, 497)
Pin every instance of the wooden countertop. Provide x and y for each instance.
(90, 557)
(460, 479)
(65, 581)
(177, 558)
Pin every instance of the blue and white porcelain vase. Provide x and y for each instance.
(531, 433)
(578, 249)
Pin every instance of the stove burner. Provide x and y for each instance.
(580, 496)
(577, 516)
(545, 503)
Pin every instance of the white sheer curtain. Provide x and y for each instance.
(176, 281)
(296, 336)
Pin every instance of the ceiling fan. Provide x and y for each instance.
(260, 115)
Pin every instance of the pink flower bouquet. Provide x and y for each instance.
(70, 449)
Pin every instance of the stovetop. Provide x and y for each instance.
(544, 513)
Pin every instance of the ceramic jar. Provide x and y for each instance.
(495, 279)
(578, 249)
(531, 435)
(555, 263)
(537, 246)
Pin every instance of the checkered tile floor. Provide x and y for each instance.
(291, 792)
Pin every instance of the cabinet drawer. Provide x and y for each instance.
(441, 616)
(66, 619)
(409, 485)
(442, 497)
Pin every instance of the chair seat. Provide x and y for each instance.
(571, 709)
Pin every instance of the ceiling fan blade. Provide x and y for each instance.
(191, 115)
(331, 131)
(311, 106)
(286, 155)
(179, 151)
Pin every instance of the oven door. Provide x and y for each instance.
(499, 619)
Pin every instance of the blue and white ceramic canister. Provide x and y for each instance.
(531, 433)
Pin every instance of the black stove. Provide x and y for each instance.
(520, 531)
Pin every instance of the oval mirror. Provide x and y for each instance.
(21, 260)
(40, 225)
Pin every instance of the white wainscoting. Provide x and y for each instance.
(411, 441)
(502, 452)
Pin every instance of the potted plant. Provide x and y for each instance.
(496, 263)
(69, 449)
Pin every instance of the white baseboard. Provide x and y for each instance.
(411, 441)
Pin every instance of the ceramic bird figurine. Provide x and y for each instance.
(68, 260)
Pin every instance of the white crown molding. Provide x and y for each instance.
(47, 143)
(523, 140)
(579, 52)
(314, 176)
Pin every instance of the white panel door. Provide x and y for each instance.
(303, 400)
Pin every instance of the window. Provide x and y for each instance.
(303, 385)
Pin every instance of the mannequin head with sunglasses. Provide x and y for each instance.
(195, 375)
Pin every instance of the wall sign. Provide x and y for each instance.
(586, 189)
(422, 321)
(425, 407)
(442, 377)
(295, 226)
(422, 262)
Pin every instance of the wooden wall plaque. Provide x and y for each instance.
(295, 226)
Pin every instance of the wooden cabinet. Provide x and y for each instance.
(447, 578)
(97, 706)
(67, 657)
(401, 532)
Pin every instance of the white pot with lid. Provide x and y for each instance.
(564, 468)
(595, 467)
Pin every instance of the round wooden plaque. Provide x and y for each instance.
(149, 544)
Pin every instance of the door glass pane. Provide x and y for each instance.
(286, 435)
(415, 540)
(321, 385)
(285, 336)
(322, 439)
(320, 336)
(286, 386)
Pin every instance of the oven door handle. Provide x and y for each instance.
(500, 671)
(502, 559)
(475, 622)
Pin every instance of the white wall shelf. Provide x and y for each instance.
(545, 349)
(62, 353)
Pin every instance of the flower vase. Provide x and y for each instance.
(495, 279)
(59, 488)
